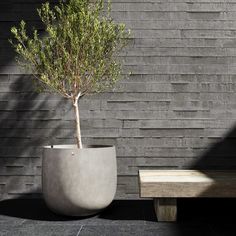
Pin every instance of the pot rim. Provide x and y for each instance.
(74, 146)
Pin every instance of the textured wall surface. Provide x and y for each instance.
(177, 109)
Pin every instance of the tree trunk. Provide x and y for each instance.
(77, 119)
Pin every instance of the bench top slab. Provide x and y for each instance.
(187, 183)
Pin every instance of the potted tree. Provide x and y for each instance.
(76, 57)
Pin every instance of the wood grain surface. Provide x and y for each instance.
(187, 183)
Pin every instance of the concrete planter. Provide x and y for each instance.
(79, 182)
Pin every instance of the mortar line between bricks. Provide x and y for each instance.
(22, 222)
(79, 231)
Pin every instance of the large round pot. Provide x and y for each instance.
(78, 182)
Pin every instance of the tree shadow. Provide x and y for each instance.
(28, 120)
(11, 13)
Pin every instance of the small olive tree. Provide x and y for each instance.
(77, 55)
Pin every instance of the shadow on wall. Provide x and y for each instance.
(11, 13)
(28, 120)
(221, 155)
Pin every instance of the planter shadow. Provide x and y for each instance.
(31, 209)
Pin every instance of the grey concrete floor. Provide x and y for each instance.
(210, 217)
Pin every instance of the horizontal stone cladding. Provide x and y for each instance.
(176, 110)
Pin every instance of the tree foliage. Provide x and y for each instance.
(77, 54)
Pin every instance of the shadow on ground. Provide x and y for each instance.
(36, 209)
(189, 211)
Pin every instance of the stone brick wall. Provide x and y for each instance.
(177, 109)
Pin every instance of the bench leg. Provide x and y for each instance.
(166, 209)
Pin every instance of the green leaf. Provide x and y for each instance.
(78, 53)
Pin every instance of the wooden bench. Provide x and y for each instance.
(165, 186)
